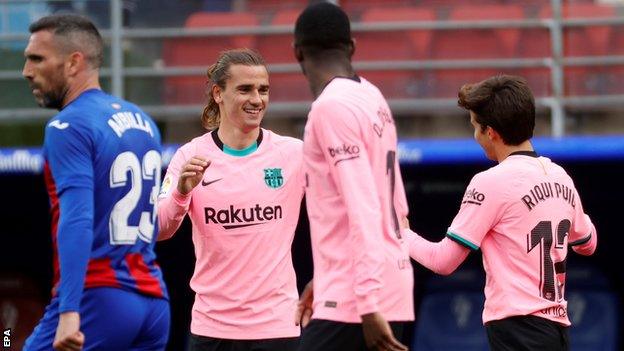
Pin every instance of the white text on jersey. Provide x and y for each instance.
(122, 121)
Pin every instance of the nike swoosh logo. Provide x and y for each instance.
(58, 124)
(205, 183)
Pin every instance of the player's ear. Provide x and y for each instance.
(351, 48)
(216, 93)
(75, 62)
(298, 53)
(492, 134)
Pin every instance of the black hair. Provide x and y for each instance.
(323, 26)
(77, 32)
(504, 103)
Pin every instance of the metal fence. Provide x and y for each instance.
(557, 102)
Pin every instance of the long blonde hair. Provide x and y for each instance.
(218, 74)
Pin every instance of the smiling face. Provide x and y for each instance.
(243, 101)
(45, 70)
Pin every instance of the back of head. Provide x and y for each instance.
(73, 33)
(504, 103)
(323, 26)
(218, 73)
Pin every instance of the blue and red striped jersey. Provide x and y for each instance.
(102, 170)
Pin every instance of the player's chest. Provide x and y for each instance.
(251, 180)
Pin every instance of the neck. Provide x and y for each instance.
(85, 81)
(504, 151)
(237, 138)
(320, 73)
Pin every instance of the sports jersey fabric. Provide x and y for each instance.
(244, 214)
(355, 197)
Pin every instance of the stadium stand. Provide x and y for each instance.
(583, 41)
(477, 43)
(396, 45)
(201, 51)
(473, 44)
(277, 48)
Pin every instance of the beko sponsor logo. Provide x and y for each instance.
(344, 152)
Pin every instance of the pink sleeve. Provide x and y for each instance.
(400, 199)
(583, 238)
(442, 257)
(338, 134)
(172, 205)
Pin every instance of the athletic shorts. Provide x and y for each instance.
(324, 335)
(527, 333)
(206, 343)
(110, 319)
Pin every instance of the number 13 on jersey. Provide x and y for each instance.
(542, 236)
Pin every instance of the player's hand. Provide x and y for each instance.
(405, 223)
(68, 335)
(304, 306)
(378, 335)
(192, 173)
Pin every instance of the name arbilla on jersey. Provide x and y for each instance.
(472, 196)
(344, 152)
(232, 218)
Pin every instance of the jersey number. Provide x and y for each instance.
(121, 233)
(542, 236)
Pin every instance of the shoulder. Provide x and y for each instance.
(496, 175)
(282, 141)
(67, 124)
(196, 144)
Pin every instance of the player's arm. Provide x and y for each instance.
(442, 257)
(583, 237)
(481, 208)
(68, 152)
(175, 197)
(339, 137)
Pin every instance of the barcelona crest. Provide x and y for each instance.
(273, 177)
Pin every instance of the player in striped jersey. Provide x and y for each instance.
(102, 171)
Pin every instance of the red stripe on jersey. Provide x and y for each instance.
(146, 283)
(101, 273)
(54, 215)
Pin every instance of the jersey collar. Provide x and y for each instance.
(234, 152)
(524, 153)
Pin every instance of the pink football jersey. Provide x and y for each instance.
(244, 214)
(523, 214)
(354, 197)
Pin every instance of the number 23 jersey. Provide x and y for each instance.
(102, 171)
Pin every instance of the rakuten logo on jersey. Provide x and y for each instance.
(232, 218)
(472, 196)
(344, 152)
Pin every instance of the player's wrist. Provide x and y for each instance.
(180, 197)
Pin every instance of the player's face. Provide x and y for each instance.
(244, 100)
(44, 69)
(481, 136)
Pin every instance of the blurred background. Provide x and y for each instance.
(419, 53)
